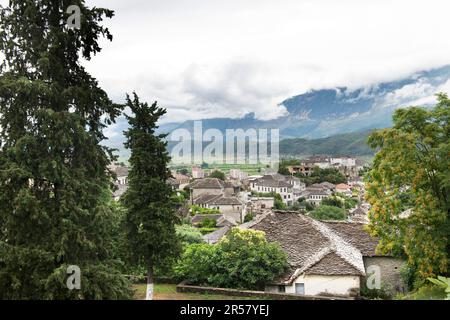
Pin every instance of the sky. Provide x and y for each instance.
(226, 58)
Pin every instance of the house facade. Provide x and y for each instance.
(229, 206)
(268, 184)
(212, 186)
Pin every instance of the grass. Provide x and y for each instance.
(428, 292)
(169, 292)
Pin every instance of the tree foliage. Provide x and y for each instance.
(319, 175)
(324, 212)
(188, 234)
(217, 174)
(411, 171)
(243, 259)
(151, 216)
(54, 180)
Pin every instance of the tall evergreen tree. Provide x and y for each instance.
(151, 215)
(53, 170)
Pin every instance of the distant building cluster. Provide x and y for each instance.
(346, 165)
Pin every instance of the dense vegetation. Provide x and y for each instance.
(324, 212)
(411, 171)
(243, 259)
(54, 183)
(217, 174)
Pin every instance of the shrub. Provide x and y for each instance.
(208, 223)
(195, 209)
(206, 230)
(426, 292)
(324, 212)
(217, 174)
(249, 217)
(243, 259)
(188, 234)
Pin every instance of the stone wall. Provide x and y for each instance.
(182, 287)
(390, 268)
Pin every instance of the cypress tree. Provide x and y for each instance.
(151, 215)
(53, 169)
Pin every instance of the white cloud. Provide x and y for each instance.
(216, 58)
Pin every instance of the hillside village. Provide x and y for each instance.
(326, 257)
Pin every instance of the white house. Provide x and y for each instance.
(212, 186)
(343, 161)
(198, 173)
(268, 184)
(121, 182)
(230, 207)
(238, 174)
(325, 258)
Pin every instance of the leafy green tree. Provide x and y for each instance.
(278, 203)
(54, 180)
(411, 170)
(333, 201)
(208, 223)
(324, 212)
(217, 174)
(151, 217)
(249, 217)
(243, 259)
(319, 175)
(188, 234)
(183, 171)
(196, 209)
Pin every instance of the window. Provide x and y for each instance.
(300, 288)
(281, 289)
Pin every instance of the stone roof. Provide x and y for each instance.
(317, 186)
(222, 200)
(355, 234)
(317, 192)
(209, 183)
(270, 181)
(315, 247)
(216, 200)
(358, 212)
(328, 185)
(215, 236)
(221, 220)
(120, 171)
(180, 177)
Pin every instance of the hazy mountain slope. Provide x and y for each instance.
(343, 144)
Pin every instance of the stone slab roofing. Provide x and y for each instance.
(315, 247)
(216, 200)
(210, 183)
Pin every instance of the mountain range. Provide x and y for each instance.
(327, 112)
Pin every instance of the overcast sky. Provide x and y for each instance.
(210, 58)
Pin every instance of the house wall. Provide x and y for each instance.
(122, 180)
(390, 268)
(319, 285)
(287, 195)
(260, 203)
(229, 211)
